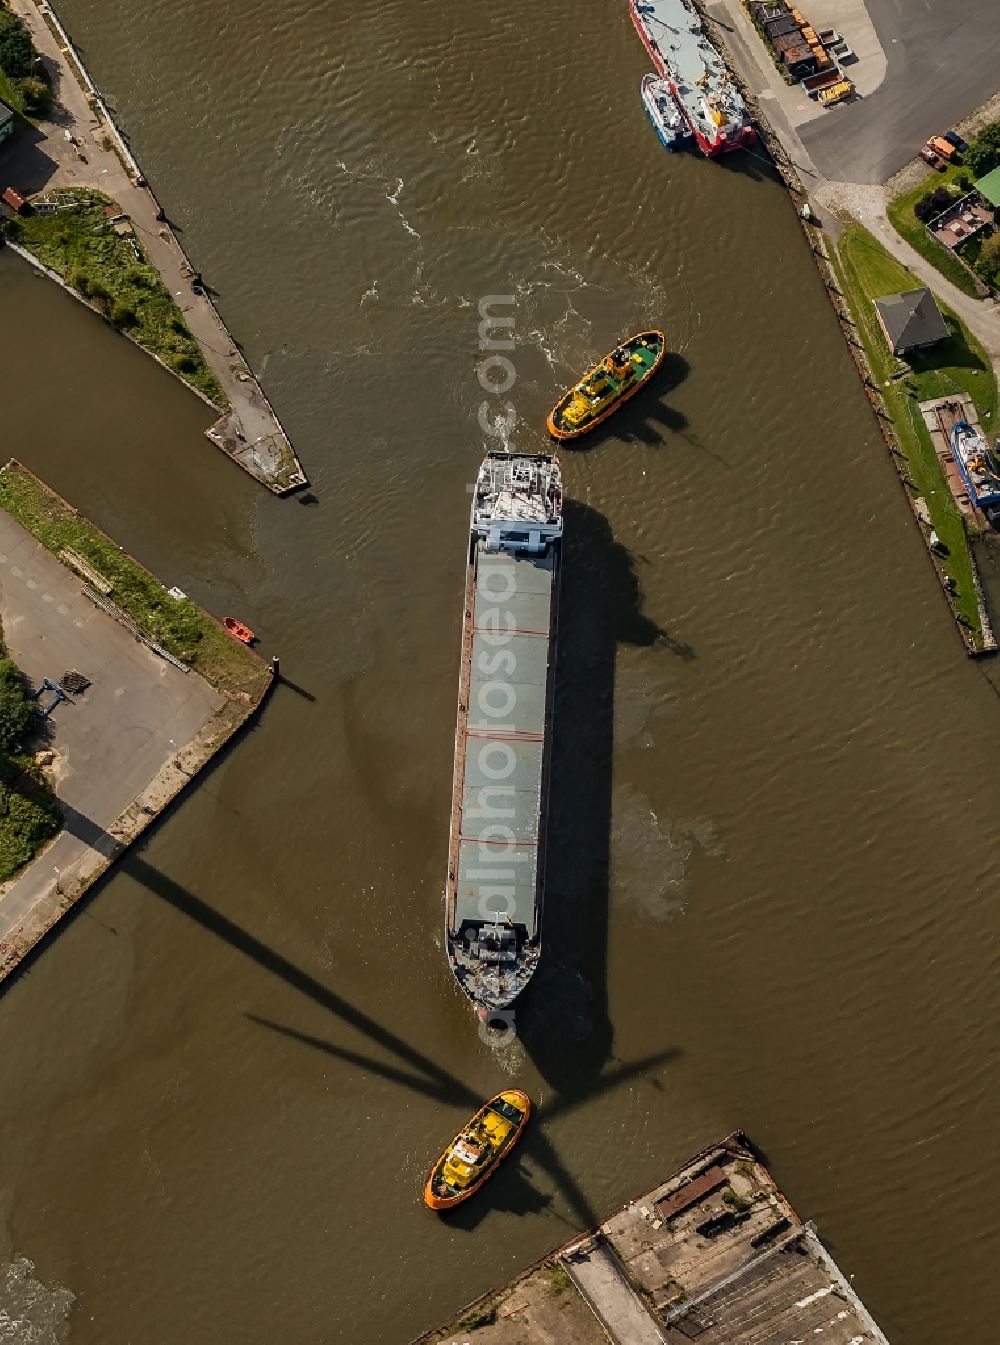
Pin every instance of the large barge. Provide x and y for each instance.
(496, 852)
(695, 72)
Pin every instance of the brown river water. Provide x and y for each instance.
(772, 883)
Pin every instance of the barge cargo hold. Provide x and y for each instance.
(496, 852)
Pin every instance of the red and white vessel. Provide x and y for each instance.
(695, 72)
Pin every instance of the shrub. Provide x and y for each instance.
(37, 95)
(178, 325)
(185, 363)
(17, 710)
(17, 52)
(139, 279)
(123, 314)
(79, 279)
(983, 154)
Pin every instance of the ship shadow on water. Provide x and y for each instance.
(562, 1019)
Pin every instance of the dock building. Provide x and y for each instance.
(714, 1254)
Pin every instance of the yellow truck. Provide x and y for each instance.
(836, 93)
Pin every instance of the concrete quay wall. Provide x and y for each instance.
(781, 155)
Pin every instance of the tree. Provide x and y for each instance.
(36, 94)
(983, 154)
(17, 53)
(123, 314)
(17, 711)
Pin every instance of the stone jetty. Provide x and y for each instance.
(81, 146)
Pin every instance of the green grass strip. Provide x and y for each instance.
(179, 626)
(80, 244)
(958, 364)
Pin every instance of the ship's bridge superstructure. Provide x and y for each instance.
(496, 851)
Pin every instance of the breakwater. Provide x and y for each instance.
(83, 147)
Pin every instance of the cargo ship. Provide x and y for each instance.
(978, 465)
(695, 73)
(496, 851)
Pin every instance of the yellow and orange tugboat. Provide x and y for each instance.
(618, 377)
(475, 1154)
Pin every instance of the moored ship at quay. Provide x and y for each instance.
(695, 72)
(496, 851)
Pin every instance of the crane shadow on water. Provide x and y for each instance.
(563, 1023)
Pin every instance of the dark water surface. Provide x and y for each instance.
(772, 896)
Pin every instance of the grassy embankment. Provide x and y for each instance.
(114, 275)
(178, 625)
(958, 364)
(906, 224)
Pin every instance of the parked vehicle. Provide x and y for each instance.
(943, 147)
(814, 83)
(930, 157)
(953, 138)
(836, 93)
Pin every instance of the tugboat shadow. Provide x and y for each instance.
(562, 1019)
(645, 416)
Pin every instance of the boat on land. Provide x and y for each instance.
(696, 74)
(607, 386)
(496, 847)
(238, 631)
(476, 1152)
(662, 110)
(978, 465)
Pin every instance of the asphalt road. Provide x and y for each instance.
(942, 64)
(111, 740)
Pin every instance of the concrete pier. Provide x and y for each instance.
(716, 1253)
(81, 146)
(117, 754)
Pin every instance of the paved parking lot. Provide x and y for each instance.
(115, 737)
(941, 64)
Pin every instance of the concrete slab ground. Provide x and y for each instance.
(941, 64)
(112, 740)
(849, 17)
(600, 1279)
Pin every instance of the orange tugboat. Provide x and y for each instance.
(474, 1155)
(238, 631)
(609, 384)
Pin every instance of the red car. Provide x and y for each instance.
(928, 156)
